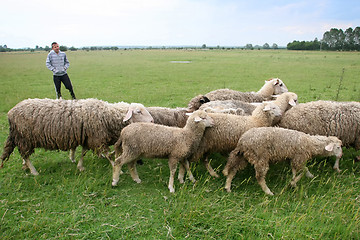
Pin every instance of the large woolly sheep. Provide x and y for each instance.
(227, 129)
(157, 141)
(265, 145)
(66, 124)
(329, 118)
(271, 87)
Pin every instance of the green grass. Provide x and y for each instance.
(63, 203)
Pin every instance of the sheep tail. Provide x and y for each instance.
(8, 149)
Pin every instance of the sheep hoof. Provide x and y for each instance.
(270, 193)
(137, 180)
(181, 180)
(337, 169)
(309, 175)
(214, 174)
(35, 173)
(228, 189)
(114, 183)
(172, 190)
(81, 169)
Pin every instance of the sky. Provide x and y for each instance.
(80, 23)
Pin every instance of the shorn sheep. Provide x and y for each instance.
(66, 124)
(285, 101)
(328, 118)
(157, 141)
(271, 87)
(227, 129)
(265, 145)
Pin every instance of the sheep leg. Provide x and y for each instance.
(72, 155)
(133, 171)
(230, 175)
(209, 168)
(30, 166)
(295, 178)
(172, 165)
(188, 170)
(181, 173)
(261, 170)
(336, 165)
(81, 161)
(308, 173)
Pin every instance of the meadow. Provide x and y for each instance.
(63, 203)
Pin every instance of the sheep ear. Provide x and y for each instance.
(197, 119)
(292, 102)
(128, 115)
(266, 108)
(277, 81)
(329, 147)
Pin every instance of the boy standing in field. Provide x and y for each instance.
(58, 63)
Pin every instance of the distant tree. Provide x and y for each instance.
(249, 46)
(63, 48)
(73, 48)
(275, 46)
(47, 48)
(203, 46)
(266, 46)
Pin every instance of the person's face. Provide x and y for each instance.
(56, 48)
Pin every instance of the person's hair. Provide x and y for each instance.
(52, 45)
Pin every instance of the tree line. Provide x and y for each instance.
(333, 40)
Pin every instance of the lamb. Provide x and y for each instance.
(227, 129)
(271, 87)
(158, 141)
(66, 124)
(328, 118)
(265, 145)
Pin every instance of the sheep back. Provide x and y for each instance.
(329, 118)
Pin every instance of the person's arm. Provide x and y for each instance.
(67, 63)
(48, 63)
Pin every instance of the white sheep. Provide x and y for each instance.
(329, 118)
(223, 136)
(66, 124)
(157, 141)
(285, 101)
(265, 145)
(271, 87)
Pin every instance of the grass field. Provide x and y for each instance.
(63, 203)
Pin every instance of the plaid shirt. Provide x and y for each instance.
(57, 63)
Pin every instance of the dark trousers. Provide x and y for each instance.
(67, 83)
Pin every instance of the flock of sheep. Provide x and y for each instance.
(250, 127)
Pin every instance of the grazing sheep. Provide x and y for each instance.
(196, 102)
(158, 141)
(66, 124)
(271, 87)
(173, 117)
(265, 145)
(328, 118)
(224, 135)
(176, 117)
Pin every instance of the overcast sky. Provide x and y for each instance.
(27, 23)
